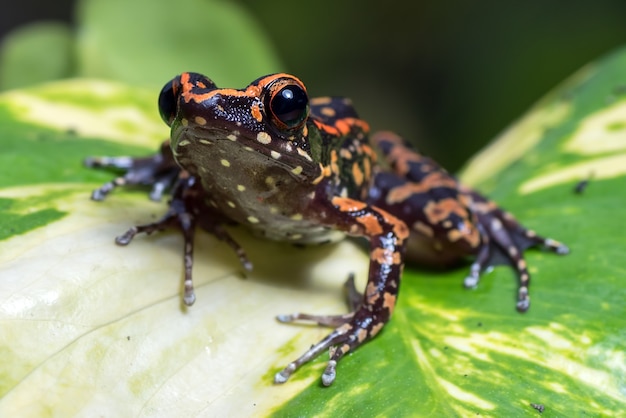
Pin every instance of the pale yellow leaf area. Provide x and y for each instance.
(90, 328)
(601, 136)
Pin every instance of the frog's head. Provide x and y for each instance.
(264, 124)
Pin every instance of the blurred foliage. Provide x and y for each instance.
(27, 59)
(448, 75)
(141, 42)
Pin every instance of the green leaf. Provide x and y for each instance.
(91, 328)
(144, 42)
(36, 53)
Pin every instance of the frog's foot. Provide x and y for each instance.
(352, 330)
(349, 333)
(504, 239)
(177, 215)
(159, 171)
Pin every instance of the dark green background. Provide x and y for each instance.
(448, 74)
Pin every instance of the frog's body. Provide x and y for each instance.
(303, 171)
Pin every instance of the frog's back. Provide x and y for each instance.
(344, 146)
(330, 109)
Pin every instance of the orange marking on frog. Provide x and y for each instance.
(334, 167)
(371, 293)
(254, 90)
(441, 210)
(386, 256)
(348, 205)
(371, 224)
(256, 112)
(401, 193)
(376, 328)
(466, 233)
(357, 174)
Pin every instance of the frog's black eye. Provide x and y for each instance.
(288, 105)
(168, 100)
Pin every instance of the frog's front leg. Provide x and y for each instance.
(187, 206)
(387, 235)
(158, 171)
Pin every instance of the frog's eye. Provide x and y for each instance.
(288, 105)
(168, 100)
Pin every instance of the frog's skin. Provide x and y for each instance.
(304, 171)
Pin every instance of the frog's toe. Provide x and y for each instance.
(523, 299)
(330, 373)
(556, 246)
(323, 320)
(523, 305)
(471, 281)
(342, 336)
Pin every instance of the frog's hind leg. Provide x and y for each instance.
(502, 238)
(387, 235)
(158, 171)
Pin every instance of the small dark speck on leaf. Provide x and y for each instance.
(539, 407)
(480, 324)
(128, 337)
(582, 185)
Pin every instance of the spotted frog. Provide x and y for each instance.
(304, 171)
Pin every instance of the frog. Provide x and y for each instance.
(306, 171)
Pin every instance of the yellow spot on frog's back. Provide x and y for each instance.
(231, 204)
(275, 155)
(253, 220)
(319, 101)
(183, 143)
(304, 154)
(296, 217)
(231, 137)
(200, 120)
(264, 138)
(241, 187)
(297, 170)
(328, 111)
(225, 163)
(184, 122)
